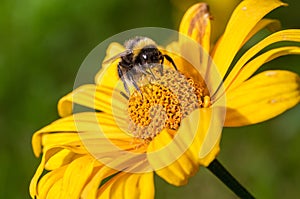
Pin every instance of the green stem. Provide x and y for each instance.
(220, 172)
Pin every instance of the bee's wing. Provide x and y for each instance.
(117, 56)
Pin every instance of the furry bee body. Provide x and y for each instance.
(140, 56)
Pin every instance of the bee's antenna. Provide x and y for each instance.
(131, 79)
(136, 87)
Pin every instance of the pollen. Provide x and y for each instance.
(163, 101)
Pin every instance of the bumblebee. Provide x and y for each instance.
(140, 56)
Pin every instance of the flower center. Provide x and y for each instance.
(163, 101)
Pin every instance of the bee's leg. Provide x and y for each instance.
(170, 60)
(161, 69)
(120, 73)
(151, 73)
(124, 95)
(131, 79)
(139, 68)
(161, 66)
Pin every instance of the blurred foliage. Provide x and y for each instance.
(42, 46)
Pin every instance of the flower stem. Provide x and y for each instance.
(220, 172)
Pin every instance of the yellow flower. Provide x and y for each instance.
(93, 155)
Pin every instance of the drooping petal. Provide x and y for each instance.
(48, 183)
(250, 68)
(76, 176)
(91, 133)
(128, 186)
(244, 18)
(91, 188)
(37, 141)
(196, 24)
(148, 190)
(54, 192)
(98, 124)
(61, 138)
(284, 35)
(48, 152)
(262, 97)
(61, 158)
(49, 180)
(119, 154)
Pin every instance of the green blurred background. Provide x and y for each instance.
(42, 45)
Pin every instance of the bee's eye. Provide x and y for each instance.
(144, 56)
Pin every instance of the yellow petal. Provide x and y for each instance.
(60, 138)
(249, 69)
(60, 159)
(209, 133)
(195, 143)
(284, 35)
(108, 74)
(91, 188)
(196, 24)
(88, 95)
(186, 55)
(147, 191)
(97, 124)
(95, 97)
(109, 85)
(49, 180)
(73, 144)
(179, 171)
(96, 134)
(191, 52)
(201, 132)
(128, 186)
(37, 143)
(84, 95)
(76, 176)
(244, 18)
(192, 61)
(271, 24)
(54, 192)
(174, 164)
(262, 97)
(213, 153)
(48, 152)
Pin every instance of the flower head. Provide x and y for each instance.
(171, 124)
